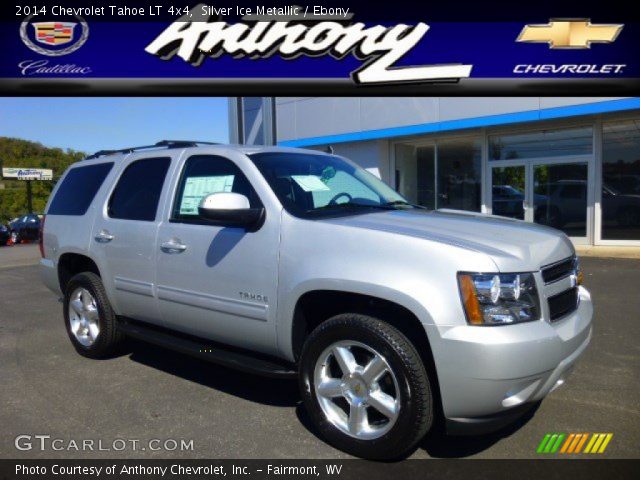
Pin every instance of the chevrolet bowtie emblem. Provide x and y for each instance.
(578, 33)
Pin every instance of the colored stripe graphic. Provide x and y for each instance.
(556, 445)
(573, 443)
(550, 443)
(567, 443)
(605, 443)
(547, 448)
(592, 441)
(543, 443)
(582, 442)
(598, 442)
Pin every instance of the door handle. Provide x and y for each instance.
(103, 237)
(173, 246)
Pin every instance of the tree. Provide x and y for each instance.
(15, 152)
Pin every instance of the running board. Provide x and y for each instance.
(209, 351)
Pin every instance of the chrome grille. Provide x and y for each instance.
(563, 303)
(559, 270)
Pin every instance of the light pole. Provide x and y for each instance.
(29, 197)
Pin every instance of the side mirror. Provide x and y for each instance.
(230, 209)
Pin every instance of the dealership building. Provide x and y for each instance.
(569, 162)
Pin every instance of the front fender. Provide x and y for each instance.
(288, 304)
(416, 273)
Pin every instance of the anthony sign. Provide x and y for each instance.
(28, 173)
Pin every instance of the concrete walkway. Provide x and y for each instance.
(607, 251)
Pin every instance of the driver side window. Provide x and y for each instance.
(203, 175)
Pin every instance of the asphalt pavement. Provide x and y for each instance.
(157, 399)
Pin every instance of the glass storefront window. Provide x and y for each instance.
(415, 174)
(621, 180)
(560, 197)
(459, 174)
(445, 175)
(508, 191)
(545, 143)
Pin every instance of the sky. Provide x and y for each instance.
(91, 124)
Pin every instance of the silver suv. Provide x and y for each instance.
(290, 262)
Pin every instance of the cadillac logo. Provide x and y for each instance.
(46, 37)
(54, 33)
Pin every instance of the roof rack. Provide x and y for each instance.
(183, 143)
(160, 144)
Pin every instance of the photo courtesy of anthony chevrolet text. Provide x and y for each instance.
(337, 239)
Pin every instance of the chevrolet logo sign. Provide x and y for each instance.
(561, 33)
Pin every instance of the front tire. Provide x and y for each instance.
(89, 318)
(365, 387)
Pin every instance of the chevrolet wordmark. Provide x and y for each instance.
(290, 262)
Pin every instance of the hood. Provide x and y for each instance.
(513, 245)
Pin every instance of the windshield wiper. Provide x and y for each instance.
(350, 205)
(364, 206)
(401, 203)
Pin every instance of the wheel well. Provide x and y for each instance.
(71, 264)
(315, 307)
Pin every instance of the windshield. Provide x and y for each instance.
(310, 185)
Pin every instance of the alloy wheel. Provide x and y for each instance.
(83, 317)
(357, 390)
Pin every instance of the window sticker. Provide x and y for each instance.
(196, 188)
(310, 183)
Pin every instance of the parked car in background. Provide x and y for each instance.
(25, 227)
(508, 201)
(567, 199)
(4, 234)
(564, 203)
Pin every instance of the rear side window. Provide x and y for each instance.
(78, 188)
(138, 191)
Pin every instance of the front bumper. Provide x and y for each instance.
(490, 373)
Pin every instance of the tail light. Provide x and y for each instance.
(41, 236)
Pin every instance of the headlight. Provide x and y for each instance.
(499, 298)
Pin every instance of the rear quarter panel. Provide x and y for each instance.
(71, 233)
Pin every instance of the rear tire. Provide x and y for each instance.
(89, 318)
(381, 416)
